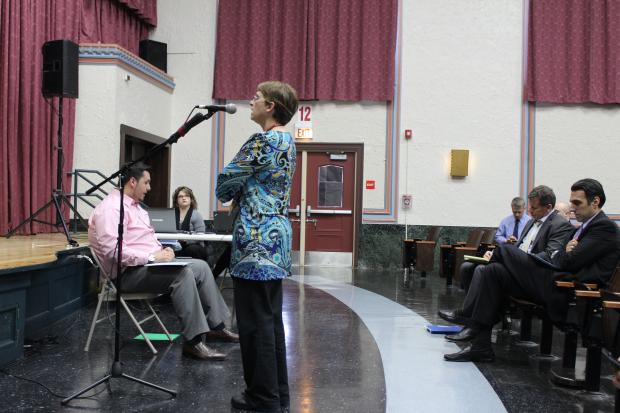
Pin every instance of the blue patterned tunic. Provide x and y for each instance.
(259, 178)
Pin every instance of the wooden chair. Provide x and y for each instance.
(585, 318)
(449, 254)
(611, 338)
(487, 243)
(108, 293)
(419, 254)
(483, 246)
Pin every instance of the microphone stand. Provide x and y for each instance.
(117, 369)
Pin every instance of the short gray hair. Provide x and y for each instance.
(517, 202)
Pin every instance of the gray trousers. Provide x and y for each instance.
(196, 299)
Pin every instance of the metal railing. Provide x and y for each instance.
(85, 175)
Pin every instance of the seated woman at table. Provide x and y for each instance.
(188, 219)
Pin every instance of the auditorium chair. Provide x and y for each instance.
(586, 319)
(448, 254)
(108, 293)
(611, 338)
(418, 254)
(485, 244)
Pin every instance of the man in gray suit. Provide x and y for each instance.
(195, 297)
(545, 233)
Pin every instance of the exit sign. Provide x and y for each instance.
(303, 130)
(370, 184)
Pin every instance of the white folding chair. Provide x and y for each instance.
(221, 286)
(108, 293)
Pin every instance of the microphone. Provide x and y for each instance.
(195, 120)
(229, 108)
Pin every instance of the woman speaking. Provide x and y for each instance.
(259, 179)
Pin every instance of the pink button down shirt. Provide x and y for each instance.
(139, 239)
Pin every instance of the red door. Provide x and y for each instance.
(329, 202)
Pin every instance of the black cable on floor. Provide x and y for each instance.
(52, 392)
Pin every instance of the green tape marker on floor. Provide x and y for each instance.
(156, 337)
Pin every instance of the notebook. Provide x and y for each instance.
(439, 329)
(163, 220)
(473, 258)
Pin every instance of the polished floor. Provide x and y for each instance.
(356, 342)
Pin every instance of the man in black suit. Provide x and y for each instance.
(545, 232)
(590, 256)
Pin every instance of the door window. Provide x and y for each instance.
(330, 186)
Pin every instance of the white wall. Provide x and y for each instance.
(460, 88)
(106, 101)
(188, 28)
(574, 142)
(363, 122)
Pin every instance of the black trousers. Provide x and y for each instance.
(513, 273)
(466, 273)
(263, 347)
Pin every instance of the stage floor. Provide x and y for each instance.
(21, 251)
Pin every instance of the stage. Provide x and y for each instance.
(41, 281)
(20, 251)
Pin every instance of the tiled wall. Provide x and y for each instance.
(381, 244)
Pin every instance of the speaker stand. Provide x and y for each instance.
(58, 197)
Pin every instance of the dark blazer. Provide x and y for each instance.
(552, 236)
(593, 260)
(596, 255)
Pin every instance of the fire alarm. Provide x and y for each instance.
(408, 133)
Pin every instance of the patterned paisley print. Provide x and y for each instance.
(259, 179)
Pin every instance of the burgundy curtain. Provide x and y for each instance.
(328, 50)
(28, 125)
(574, 51)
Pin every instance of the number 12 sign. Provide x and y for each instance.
(303, 128)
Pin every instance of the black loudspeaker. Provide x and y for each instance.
(156, 53)
(60, 68)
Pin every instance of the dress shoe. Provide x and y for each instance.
(222, 335)
(202, 352)
(241, 402)
(466, 334)
(455, 317)
(472, 353)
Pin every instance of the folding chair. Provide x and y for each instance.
(108, 293)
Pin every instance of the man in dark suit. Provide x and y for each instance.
(590, 256)
(544, 233)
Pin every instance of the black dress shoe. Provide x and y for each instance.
(455, 317)
(241, 402)
(466, 334)
(471, 353)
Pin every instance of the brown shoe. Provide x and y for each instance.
(202, 352)
(222, 335)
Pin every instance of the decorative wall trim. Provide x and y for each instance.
(112, 54)
(389, 212)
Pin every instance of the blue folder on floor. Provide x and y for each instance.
(439, 329)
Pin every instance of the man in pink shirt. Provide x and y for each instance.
(196, 299)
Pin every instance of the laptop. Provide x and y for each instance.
(163, 220)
